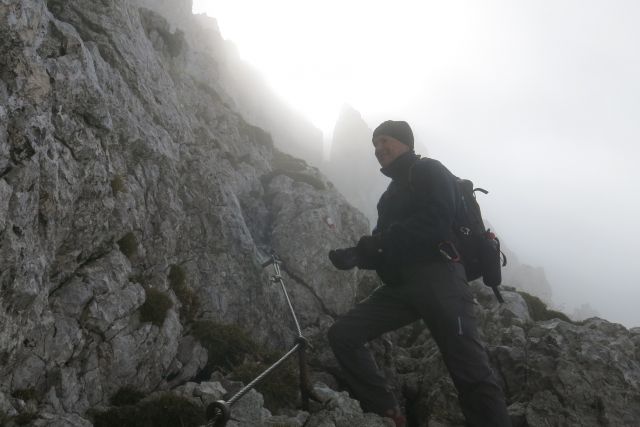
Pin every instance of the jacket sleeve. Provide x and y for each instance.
(430, 222)
(369, 250)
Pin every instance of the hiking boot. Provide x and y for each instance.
(396, 415)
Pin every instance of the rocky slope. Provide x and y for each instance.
(136, 208)
(217, 62)
(118, 166)
(554, 372)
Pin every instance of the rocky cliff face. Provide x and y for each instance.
(119, 166)
(136, 203)
(218, 63)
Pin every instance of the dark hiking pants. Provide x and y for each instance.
(438, 294)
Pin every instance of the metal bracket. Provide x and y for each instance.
(219, 413)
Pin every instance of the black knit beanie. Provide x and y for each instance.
(399, 130)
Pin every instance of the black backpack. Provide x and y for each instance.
(479, 248)
(475, 246)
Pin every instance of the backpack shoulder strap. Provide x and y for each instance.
(423, 160)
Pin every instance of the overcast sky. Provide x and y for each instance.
(539, 102)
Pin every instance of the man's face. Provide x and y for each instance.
(388, 149)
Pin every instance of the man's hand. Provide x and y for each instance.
(369, 250)
(344, 259)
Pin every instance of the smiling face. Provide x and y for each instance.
(388, 149)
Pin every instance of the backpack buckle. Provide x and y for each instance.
(448, 251)
(465, 230)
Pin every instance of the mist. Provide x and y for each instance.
(552, 130)
(537, 102)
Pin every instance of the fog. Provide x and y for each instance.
(538, 102)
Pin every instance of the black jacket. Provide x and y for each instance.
(415, 214)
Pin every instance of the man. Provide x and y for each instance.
(415, 227)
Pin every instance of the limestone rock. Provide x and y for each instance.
(342, 411)
(203, 393)
(217, 62)
(547, 368)
(121, 159)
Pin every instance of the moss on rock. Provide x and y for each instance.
(226, 345)
(155, 307)
(539, 311)
(25, 394)
(128, 245)
(166, 411)
(127, 395)
(279, 389)
(25, 418)
(118, 185)
(188, 301)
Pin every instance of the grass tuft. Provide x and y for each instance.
(155, 307)
(167, 411)
(279, 389)
(539, 311)
(118, 185)
(186, 296)
(127, 395)
(227, 345)
(25, 394)
(128, 245)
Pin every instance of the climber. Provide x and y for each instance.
(415, 217)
